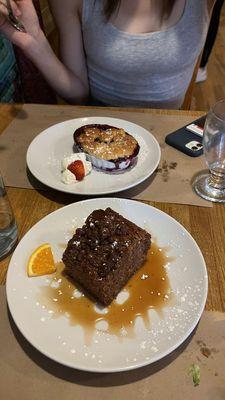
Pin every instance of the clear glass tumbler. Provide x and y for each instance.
(211, 186)
(8, 227)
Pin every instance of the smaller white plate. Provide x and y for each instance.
(47, 150)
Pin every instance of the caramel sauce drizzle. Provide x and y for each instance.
(148, 288)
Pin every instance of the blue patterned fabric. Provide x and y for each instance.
(9, 73)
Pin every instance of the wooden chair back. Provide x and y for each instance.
(189, 93)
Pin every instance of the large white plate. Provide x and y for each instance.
(47, 150)
(64, 343)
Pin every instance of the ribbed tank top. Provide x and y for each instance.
(142, 70)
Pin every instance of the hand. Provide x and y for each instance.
(4, 12)
(25, 12)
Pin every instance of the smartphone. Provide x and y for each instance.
(188, 139)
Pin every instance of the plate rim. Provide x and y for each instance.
(101, 369)
(93, 193)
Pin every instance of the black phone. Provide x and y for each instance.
(188, 139)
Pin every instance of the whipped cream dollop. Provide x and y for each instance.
(67, 176)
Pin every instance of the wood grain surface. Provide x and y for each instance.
(206, 225)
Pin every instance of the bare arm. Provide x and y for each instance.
(69, 80)
(70, 33)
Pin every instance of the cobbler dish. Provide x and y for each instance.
(107, 147)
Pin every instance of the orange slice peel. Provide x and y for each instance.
(41, 261)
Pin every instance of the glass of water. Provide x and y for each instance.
(211, 186)
(8, 227)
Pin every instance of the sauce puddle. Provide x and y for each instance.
(148, 288)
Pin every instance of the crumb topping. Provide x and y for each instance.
(107, 144)
(102, 241)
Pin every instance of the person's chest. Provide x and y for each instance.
(144, 16)
(162, 53)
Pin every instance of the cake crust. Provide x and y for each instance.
(104, 254)
(107, 147)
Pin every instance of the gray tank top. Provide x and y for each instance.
(142, 70)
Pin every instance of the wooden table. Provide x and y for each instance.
(206, 225)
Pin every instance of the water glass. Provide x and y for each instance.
(211, 186)
(8, 227)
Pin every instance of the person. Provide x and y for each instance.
(210, 40)
(139, 53)
(9, 73)
(20, 80)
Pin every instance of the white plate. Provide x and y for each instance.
(64, 343)
(47, 150)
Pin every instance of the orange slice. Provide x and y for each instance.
(41, 261)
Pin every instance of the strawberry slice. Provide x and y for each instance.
(77, 168)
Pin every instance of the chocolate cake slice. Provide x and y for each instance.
(104, 254)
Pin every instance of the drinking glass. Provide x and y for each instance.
(211, 186)
(8, 227)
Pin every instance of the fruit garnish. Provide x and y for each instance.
(41, 261)
(77, 168)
